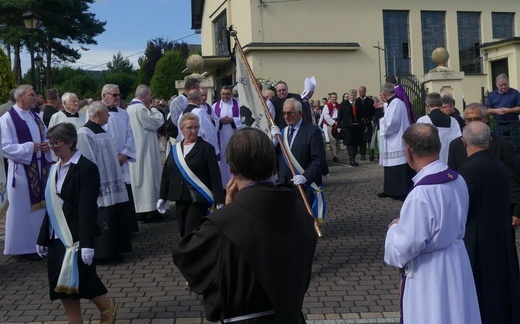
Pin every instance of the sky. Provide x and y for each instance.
(130, 24)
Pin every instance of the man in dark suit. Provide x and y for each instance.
(448, 107)
(491, 248)
(367, 104)
(282, 94)
(351, 120)
(306, 145)
(499, 147)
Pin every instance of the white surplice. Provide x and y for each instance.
(427, 241)
(446, 135)
(391, 128)
(224, 134)
(119, 128)
(145, 172)
(21, 225)
(60, 117)
(99, 148)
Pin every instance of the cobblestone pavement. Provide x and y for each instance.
(350, 282)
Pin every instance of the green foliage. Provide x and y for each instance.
(120, 64)
(168, 69)
(84, 84)
(125, 81)
(6, 77)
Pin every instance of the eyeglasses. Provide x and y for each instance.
(190, 128)
(289, 113)
(469, 120)
(115, 95)
(54, 144)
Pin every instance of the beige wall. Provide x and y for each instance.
(339, 21)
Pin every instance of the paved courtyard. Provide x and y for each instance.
(350, 282)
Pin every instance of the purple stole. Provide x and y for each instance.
(401, 94)
(235, 110)
(36, 181)
(431, 179)
(235, 113)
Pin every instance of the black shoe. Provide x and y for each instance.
(335, 159)
(353, 162)
(372, 158)
(382, 195)
(363, 158)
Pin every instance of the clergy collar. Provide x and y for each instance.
(68, 114)
(95, 128)
(112, 109)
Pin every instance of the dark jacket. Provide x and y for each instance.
(79, 193)
(202, 160)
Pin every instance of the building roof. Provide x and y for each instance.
(511, 40)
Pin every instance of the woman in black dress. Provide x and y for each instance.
(71, 220)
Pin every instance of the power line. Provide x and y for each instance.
(92, 66)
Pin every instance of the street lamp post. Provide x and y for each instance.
(38, 60)
(31, 22)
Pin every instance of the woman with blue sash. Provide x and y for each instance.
(69, 228)
(191, 177)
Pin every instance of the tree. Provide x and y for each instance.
(62, 23)
(120, 64)
(167, 70)
(155, 50)
(6, 77)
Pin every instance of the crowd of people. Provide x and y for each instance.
(82, 173)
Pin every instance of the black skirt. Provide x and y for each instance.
(398, 180)
(90, 285)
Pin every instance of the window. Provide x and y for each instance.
(221, 37)
(433, 24)
(397, 40)
(468, 24)
(503, 24)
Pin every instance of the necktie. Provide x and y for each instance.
(291, 133)
(354, 110)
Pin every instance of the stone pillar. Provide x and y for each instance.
(443, 79)
(195, 65)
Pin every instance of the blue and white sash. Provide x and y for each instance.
(319, 206)
(68, 281)
(191, 177)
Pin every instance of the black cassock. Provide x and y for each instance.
(488, 239)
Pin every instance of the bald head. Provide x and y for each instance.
(476, 134)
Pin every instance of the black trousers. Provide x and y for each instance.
(189, 215)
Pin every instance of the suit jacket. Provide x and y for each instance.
(79, 193)
(47, 114)
(490, 245)
(202, 160)
(278, 108)
(502, 150)
(346, 114)
(308, 149)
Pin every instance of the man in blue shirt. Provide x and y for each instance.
(504, 104)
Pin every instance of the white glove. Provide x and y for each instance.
(327, 176)
(42, 250)
(87, 255)
(299, 179)
(161, 203)
(275, 130)
(220, 206)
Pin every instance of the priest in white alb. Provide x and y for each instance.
(227, 110)
(145, 172)
(25, 146)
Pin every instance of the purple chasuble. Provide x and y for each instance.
(235, 110)
(36, 181)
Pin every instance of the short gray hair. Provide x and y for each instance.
(502, 76)
(434, 99)
(477, 134)
(447, 99)
(67, 95)
(388, 88)
(353, 91)
(108, 87)
(95, 107)
(142, 90)
(477, 106)
(186, 117)
(297, 104)
(20, 90)
(65, 132)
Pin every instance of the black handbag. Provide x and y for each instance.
(196, 196)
